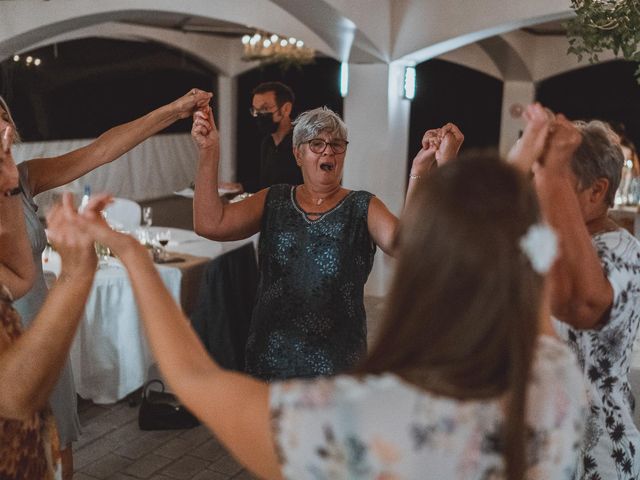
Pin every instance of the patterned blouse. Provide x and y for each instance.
(28, 448)
(381, 427)
(612, 442)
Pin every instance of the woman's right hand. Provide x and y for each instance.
(195, 99)
(530, 148)
(204, 131)
(69, 236)
(9, 179)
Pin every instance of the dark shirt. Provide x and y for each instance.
(277, 163)
(309, 316)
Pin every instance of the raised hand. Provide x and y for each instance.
(8, 170)
(530, 148)
(564, 140)
(68, 235)
(204, 131)
(195, 99)
(450, 141)
(425, 159)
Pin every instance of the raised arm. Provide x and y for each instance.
(531, 146)
(234, 406)
(581, 295)
(29, 367)
(439, 146)
(17, 271)
(48, 173)
(211, 217)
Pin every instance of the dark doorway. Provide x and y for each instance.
(84, 87)
(447, 92)
(608, 91)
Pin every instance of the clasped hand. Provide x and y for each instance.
(439, 146)
(73, 234)
(548, 141)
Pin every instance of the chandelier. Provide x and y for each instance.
(28, 60)
(271, 48)
(605, 25)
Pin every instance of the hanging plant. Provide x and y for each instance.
(605, 25)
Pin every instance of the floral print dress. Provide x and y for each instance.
(381, 427)
(611, 449)
(29, 448)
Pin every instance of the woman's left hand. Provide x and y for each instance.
(8, 170)
(69, 235)
(204, 131)
(451, 139)
(187, 104)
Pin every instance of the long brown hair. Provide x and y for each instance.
(462, 315)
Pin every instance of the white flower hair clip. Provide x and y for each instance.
(540, 245)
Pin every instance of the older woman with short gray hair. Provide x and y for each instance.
(595, 283)
(317, 244)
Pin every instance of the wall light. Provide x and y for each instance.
(409, 84)
(344, 79)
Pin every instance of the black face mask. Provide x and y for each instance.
(265, 123)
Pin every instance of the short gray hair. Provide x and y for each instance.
(310, 123)
(5, 107)
(598, 156)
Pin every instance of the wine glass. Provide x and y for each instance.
(163, 237)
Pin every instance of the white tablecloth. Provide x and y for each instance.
(110, 357)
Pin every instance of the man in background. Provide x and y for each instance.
(272, 103)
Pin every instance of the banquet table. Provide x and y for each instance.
(110, 357)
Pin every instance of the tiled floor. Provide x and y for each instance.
(112, 446)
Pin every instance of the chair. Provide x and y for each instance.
(124, 214)
(225, 303)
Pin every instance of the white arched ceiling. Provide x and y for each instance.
(475, 57)
(219, 53)
(20, 28)
(425, 29)
(360, 31)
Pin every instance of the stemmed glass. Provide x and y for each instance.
(163, 237)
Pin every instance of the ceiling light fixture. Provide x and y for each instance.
(272, 48)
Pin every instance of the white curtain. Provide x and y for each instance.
(155, 168)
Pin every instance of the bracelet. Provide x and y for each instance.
(13, 192)
(415, 177)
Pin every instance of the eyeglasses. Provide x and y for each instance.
(263, 111)
(318, 145)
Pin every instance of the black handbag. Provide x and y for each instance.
(160, 410)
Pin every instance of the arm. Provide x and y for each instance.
(48, 173)
(581, 295)
(17, 271)
(29, 367)
(234, 406)
(439, 146)
(211, 218)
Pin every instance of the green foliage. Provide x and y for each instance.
(602, 25)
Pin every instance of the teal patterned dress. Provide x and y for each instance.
(309, 316)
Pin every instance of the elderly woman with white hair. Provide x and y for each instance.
(317, 244)
(595, 285)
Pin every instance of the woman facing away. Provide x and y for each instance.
(42, 174)
(466, 382)
(317, 244)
